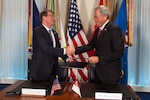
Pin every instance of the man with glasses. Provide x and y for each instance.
(46, 50)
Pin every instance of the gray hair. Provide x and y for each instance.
(103, 10)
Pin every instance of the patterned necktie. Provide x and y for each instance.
(52, 38)
(99, 32)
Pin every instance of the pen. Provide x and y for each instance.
(13, 93)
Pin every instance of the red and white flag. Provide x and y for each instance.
(77, 37)
(76, 88)
(55, 86)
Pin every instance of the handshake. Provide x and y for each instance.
(70, 50)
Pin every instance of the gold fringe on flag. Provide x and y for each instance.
(29, 24)
(130, 22)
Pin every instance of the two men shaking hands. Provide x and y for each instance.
(71, 50)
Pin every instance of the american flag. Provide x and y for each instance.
(76, 37)
(55, 86)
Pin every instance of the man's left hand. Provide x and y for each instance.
(93, 59)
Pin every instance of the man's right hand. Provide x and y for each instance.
(70, 50)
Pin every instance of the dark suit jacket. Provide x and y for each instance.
(109, 47)
(45, 57)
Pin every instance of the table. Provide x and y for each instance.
(125, 89)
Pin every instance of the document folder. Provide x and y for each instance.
(73, 64)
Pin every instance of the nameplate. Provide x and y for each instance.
(33, 92)
(108, 96)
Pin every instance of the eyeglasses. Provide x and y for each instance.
(51, 15)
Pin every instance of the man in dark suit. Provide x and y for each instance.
(109, 47)
(46, 50)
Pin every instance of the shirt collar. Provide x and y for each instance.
(47, 27)
(101, 28)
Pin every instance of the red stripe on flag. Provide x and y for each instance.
(82, 59)
(72, 74)
(74, 43)
(82, 75)
(81, 39)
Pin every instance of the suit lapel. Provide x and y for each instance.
(104, 30)
(46, 34)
